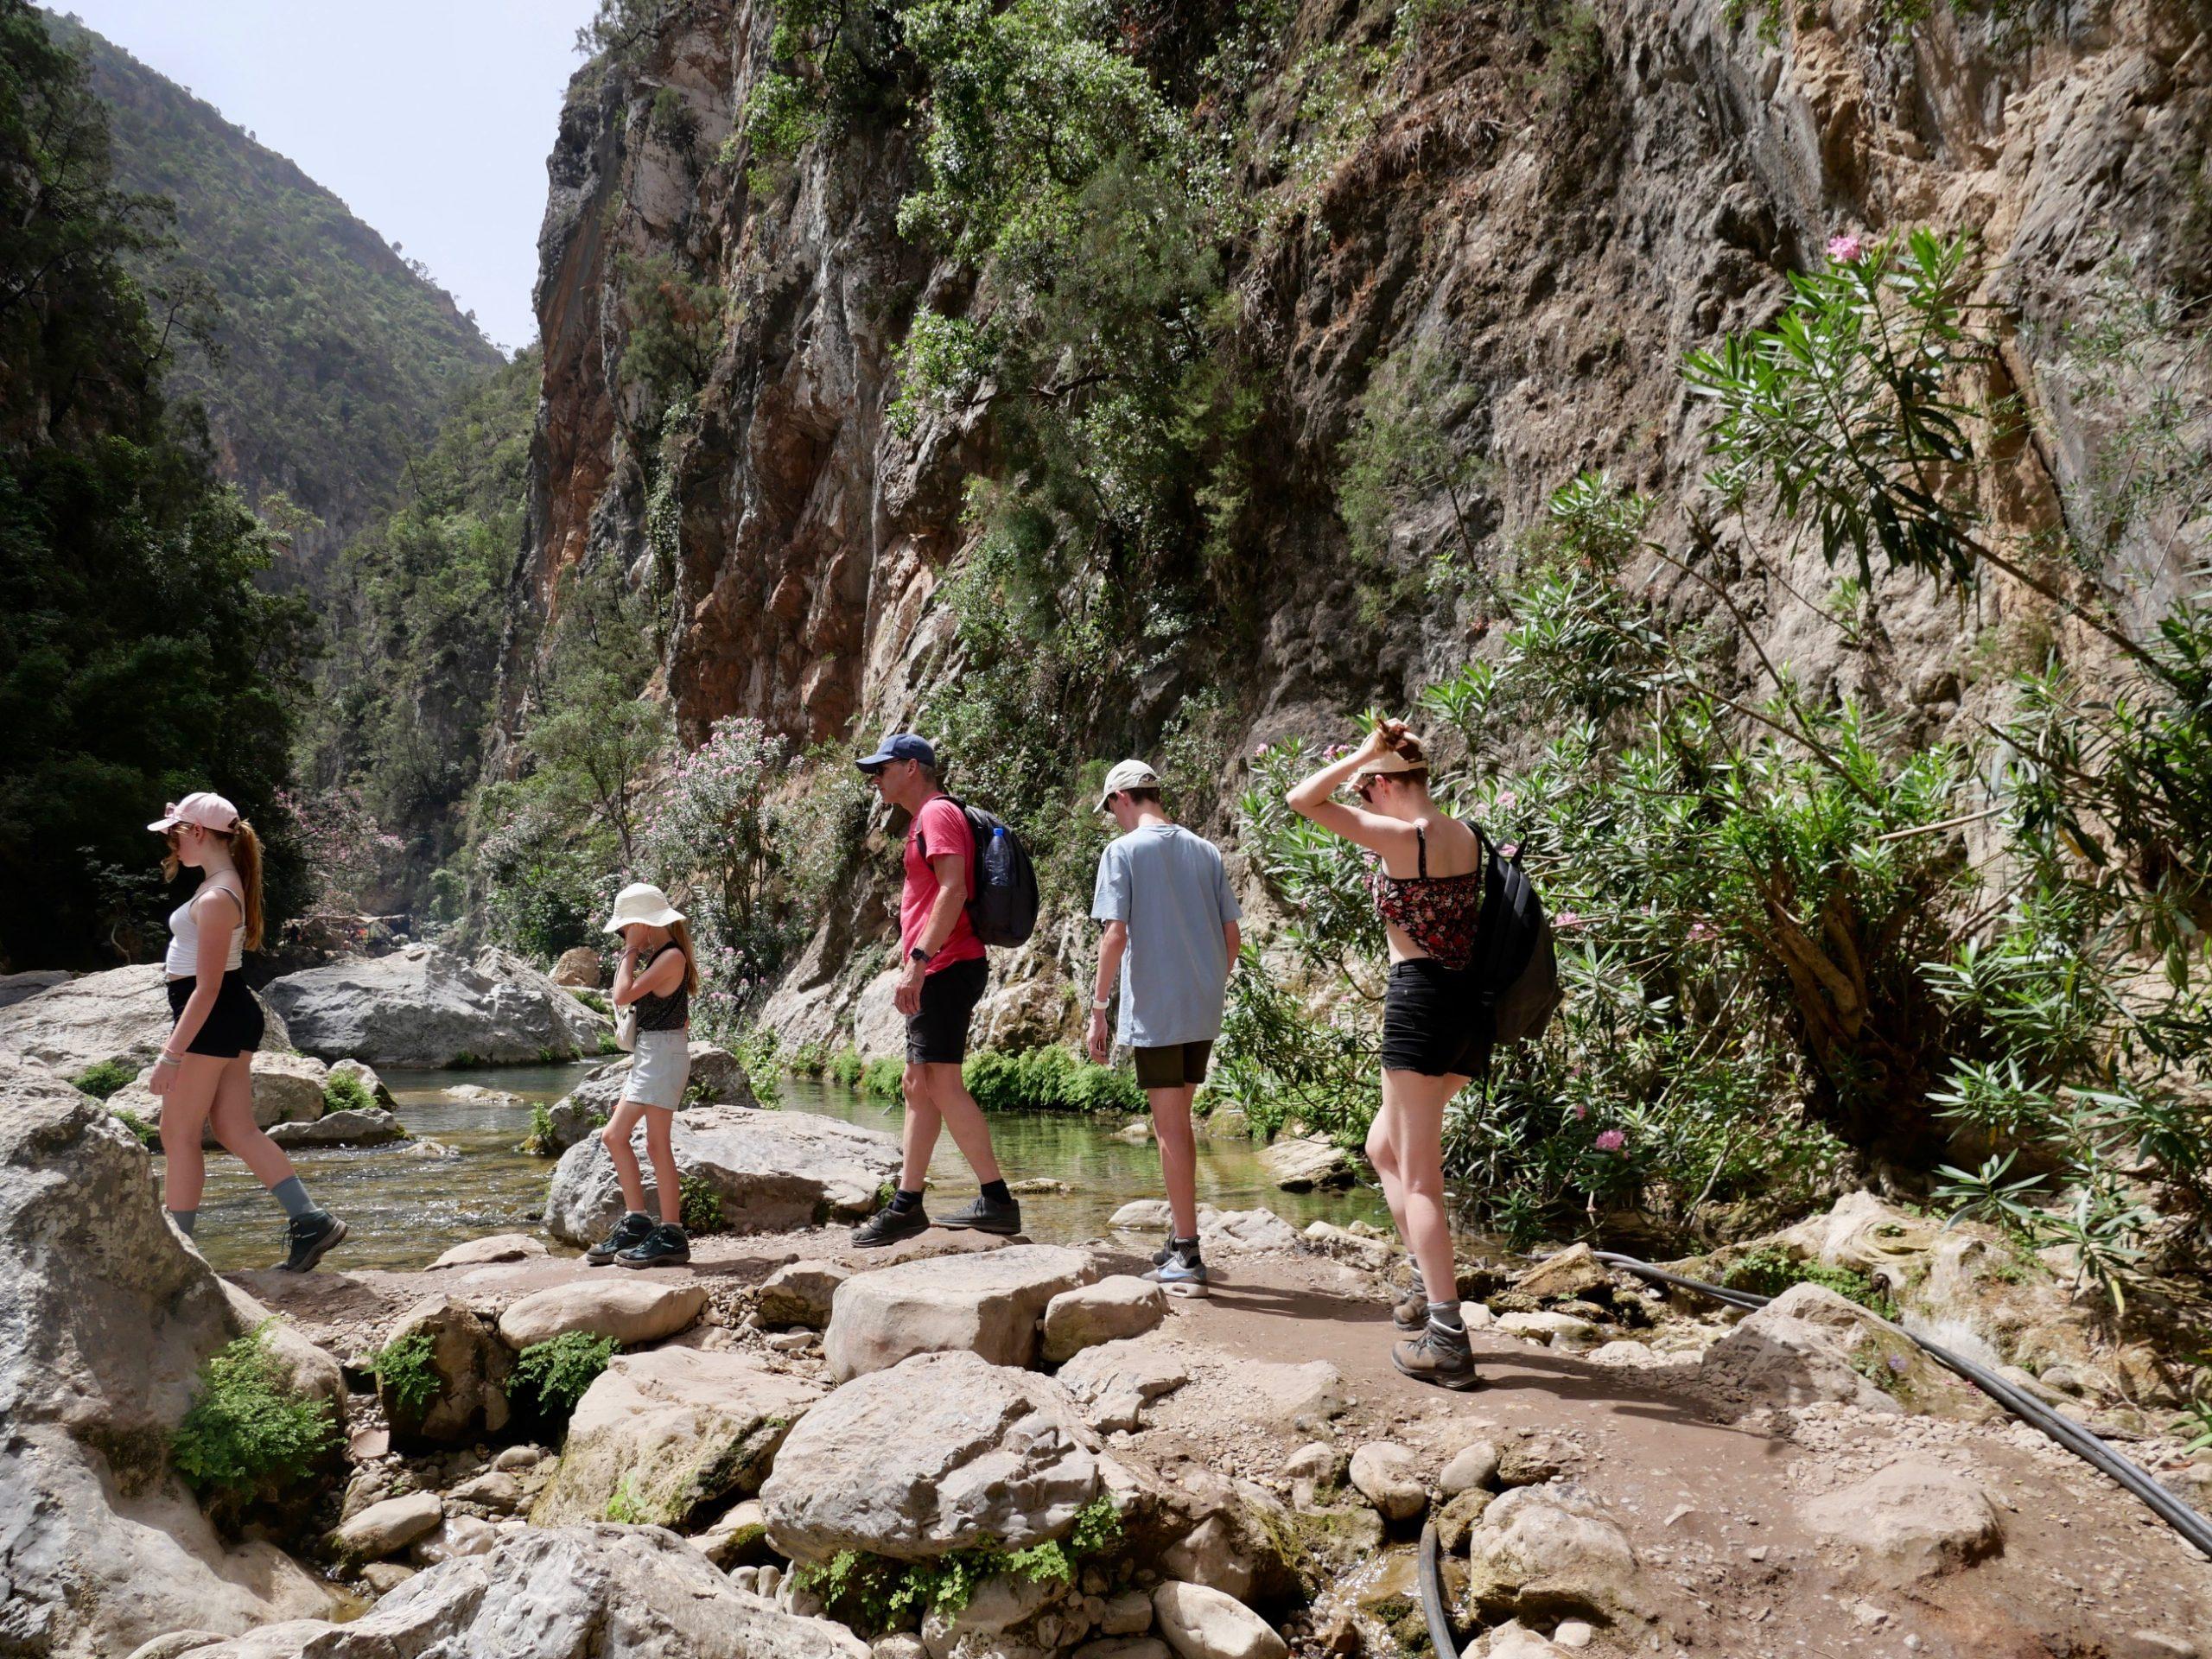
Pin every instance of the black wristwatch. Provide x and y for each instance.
(918, 954)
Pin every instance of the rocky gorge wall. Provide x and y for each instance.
(1560, 200)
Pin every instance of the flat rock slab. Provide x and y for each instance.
(613, 1593)
(122, 1014)
(369, 1127)
(1113, 1309)
(1907, 1523)
(1116, 1381)
(1227, 1231)
(427, 1007)
(495, 1247)
(773, 1172)
(630, 1309)
(672, 1432)
(987, 1303)
(1302, 1163)
(942, 1451)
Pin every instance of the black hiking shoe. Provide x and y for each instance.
(309, 1238)
(629, 1232)
(1438, 1356)
(666, 1246)
(888, 1226)
(987, 1216)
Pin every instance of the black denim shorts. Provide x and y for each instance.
(1172, 1066)
(1428, 1021)
(938, 1035)
(233, 1026)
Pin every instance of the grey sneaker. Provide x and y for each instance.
(629, 1232)
(889, 1226)
(985, 1215)
(1438, 1356)
(1180, 1275)
(666, 1246)
(311, 1237)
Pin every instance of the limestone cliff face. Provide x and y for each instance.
(1565, 222)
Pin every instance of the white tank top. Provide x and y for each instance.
(182, 960)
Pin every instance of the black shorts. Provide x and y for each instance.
(1173, 1066)
(1428, 1021)
(233, 1026)
(938, 1034)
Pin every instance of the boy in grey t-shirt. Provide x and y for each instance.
(1171, 939)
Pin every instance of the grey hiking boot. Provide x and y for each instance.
(666, 1246)
(1409, 1309)
(888, 1226)
(1441, 1356)
(309, 1237)
(987, 1216)
(629, 1232)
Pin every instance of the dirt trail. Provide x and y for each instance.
(1712, 1507)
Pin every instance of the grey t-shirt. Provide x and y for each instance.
(1169, 887)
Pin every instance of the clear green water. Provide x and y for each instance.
(404, 1210)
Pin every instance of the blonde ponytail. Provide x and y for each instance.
(246, 853)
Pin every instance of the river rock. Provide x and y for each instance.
(471, 1364)
(305, 1369)
(632, 1310)
(610, 1592)
(1564, 1331)
(492, 1248)
(386, 1529)
(1551, 1551)
(1472, 1467)
(579, 969)
(287, 1089)
(122, 1014)
(378, 1094)
(988, 1302)
(1514, 1640)
(1114, 1308)
(1302, 1163)
(1383, 1472)
(773, 1171)
(1116, 1381)
(1574, 1271)
(672, 1432)
(1223, 1230)
(1356, 1249)
(106, 1319)
(798, 1292)
(1909, 1521)
(1810, 1344)
(1203, 1624)
(426, 1006)
(717, 1079)
(739, 1534)
(373, 1127)
(941, 1451)
(1230, 1534)
(460, 1535)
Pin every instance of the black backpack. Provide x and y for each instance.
(1517, 974)
(1001, 881)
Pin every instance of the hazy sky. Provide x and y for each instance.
(430, 118)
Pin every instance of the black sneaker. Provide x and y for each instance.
(666, 1246)
(888, 1226)
(630, 1232)
(1438, 1356)
(311, 1237)
(987, 1216)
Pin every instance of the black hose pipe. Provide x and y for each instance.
(1429, 1577)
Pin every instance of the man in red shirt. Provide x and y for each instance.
(941, 979)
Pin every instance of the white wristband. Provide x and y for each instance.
(1100, 1004)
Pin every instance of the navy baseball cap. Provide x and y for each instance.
(899, 745)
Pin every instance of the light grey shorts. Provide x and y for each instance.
(660, 1068)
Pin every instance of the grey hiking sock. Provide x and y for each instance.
(294, 1196)
(186, 1220)
(1445, 1317)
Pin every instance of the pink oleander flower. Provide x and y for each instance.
(1507, 800)
(1567, 921)
(1701, 931)
(1580, 1110)
(1261, 754)
(1845, 249)
(1610, 1141)
(1337, 751)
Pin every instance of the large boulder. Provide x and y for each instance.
(718, 1078)
(122, 1015)
(105, 1317)
(14, 988)
(631, 1309)
(988, 1302)
(1302, 1163)
(287, 1089)
(941, 1452)
(566, 1593)
(1907, 1521)
(1203, 1624)
(427, 1007)
(578, 969)
(1810, 1344)
(1554, 1551)
(773, 1172)
(672, 1432)
(471, 1366)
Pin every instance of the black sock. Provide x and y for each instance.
(996, 1193)
(902, 1201)
(1186, 1248)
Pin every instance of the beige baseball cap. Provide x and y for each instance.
(1127, 774)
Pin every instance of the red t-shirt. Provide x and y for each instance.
(944, 827)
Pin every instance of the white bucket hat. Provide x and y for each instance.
(641, 901)
(1127, 774)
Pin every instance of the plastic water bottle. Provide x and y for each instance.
(998, 860)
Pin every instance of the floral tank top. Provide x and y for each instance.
(1437, 912)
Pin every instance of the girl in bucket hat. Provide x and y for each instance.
(659, 972)
(203, 1074)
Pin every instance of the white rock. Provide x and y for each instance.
(1116, 1381)
(1574, 1271)
(1225, 1231)
(1514, 1640)
(937, 1453)
(1302, 1163)
(426, 1006)
(455, 1536)
(1909, 1521)
(633, 1309)
(1115, 1308)
(494, 1247)
(1316, 1461)
(1203, 1624)
(1384, 1473)
(373, 1127)
(1369, 1254)
(987, 1302)
(386, 1529)
(1551, 1548)
(122, 1014)
(1472, 1466)
(1561, 1331)
(1574, 1633)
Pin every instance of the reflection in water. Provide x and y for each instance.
(403, 1209)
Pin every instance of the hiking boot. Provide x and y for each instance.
(1180, 1275)
(309, 1237)
(666, 1246)
(1409, 1309)
(1438, 1356)
(629, 1232)
(987, 1216)
(889, 1226)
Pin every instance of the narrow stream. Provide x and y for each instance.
(405, 1209)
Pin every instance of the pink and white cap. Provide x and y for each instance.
(203, 807)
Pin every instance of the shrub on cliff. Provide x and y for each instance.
(246, 1438)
